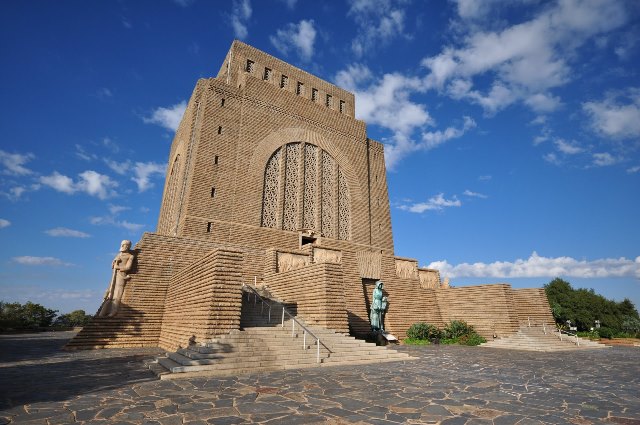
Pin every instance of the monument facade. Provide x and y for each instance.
(272, 179)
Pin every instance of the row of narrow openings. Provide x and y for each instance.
(267, 75)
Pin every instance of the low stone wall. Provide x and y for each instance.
(489, 308)
(317, 290)
(203, 300)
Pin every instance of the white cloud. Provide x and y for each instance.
(435, 203)
(568, 148)
(144, 171)
(299, 37)
(240, 13)
(524, 60)
(82, 153)
(552, 158)
(119, 167)
(66, 233)
(613, 118)
(543, 102)
(432, 139)
(96, 184)
(634, 169)
(604, 159)
(117, 209)
(111, 221)
(538, 266)
(4, 223)
(13, 163)
(39, 261)
(59, 182)
(387, 102)
(378, 22)
(474, 194)
(168, 117)
(89, 182)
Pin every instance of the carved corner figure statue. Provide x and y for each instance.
(121, 265)
(378, 305)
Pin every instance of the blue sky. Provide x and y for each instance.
(511, 129)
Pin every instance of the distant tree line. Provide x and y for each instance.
(32, 316)
(583, 307)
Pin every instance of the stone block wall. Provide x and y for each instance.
(532, 303)
(139, 320)
(318, 292)
(489, 308)
(408, 302)
(203, 300)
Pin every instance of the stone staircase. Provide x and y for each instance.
(261, 345)
(533, 338)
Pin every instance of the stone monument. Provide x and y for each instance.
(119, 277)
(271, 178)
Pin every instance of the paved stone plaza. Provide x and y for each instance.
(40, 384)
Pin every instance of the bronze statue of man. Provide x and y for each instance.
(120, 265)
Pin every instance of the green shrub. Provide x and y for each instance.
(471, 339)
(423, 331)
(605, 333)
(457, 328)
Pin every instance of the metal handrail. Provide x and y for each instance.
(305, 331)
(570, 334)
(534, 323)
(560, 331)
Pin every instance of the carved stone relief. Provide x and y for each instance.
(407, 269)
(288, 261)
(429, 278)
(370, 264)
(323, 255)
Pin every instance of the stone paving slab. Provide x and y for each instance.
(449, 385)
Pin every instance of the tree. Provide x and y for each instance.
(75, 318)
(27, 316)
(583, 307)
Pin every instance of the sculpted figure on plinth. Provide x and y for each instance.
(378, 305)
(120, 265)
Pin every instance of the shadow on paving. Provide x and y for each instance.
(34, 368)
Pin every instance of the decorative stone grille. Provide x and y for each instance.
(270, 195)
(315, 192)
(344, 214)
(328, 189)
(290, 210)
(310, 175)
